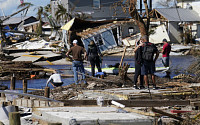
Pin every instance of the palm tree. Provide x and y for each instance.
(39, 17)
(62, 14)
(24, 4)
(47, 8)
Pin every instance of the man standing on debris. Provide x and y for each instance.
(148, 66)
(138, 64)
(93, 56)
(77, 63)
(165, 53)
(55, 79)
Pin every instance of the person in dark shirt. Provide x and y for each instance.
(138, 65)
(93, 56)
(77, 63)
(148, 66)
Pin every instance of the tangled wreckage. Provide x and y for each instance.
(106, 100)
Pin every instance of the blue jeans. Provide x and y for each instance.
(165, 61)
(78, 67)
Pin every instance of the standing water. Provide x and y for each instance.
(177, 63)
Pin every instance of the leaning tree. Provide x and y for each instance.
(142, 21)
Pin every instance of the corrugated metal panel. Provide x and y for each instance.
(179, 14)
(15, 20)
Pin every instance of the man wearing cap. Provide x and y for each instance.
(77, 63)
(165, 53)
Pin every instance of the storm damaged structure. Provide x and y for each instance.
(181, 24)
(106, 34)
(92, 9)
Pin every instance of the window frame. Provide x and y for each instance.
(96, 4)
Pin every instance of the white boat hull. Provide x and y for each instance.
(130, 70)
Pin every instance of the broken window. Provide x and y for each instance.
(98, 39)
(96, 4)
(131, 31)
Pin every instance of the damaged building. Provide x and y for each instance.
(106, 34)
(180, 23)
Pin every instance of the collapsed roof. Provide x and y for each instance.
(176, 14)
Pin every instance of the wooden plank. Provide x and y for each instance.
(129, 103)
(29, 95)
(82, 102)
(153, 103)
(138, 111)
(141, 112)
(123, 57)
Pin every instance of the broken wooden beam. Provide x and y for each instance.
(129, 103)
(153, 103)
(166, 114)
(119, 105)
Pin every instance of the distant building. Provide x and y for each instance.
(194, 5)
(177, 21)
(93, 9)
(190, 4)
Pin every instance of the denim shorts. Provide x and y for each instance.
(148, 68)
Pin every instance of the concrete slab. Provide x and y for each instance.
(90, 116)
(27, 58)
(57, 62)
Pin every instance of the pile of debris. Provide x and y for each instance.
(20, 70)
(195, 50)
(3, 57)
(194, 68)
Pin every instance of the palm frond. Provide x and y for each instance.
(24, 4)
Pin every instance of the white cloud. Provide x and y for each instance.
(9, 6)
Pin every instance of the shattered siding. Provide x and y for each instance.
(108, 40)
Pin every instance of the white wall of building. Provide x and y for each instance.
(195, 5)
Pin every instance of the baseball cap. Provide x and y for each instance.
(75, 41)
(164, 40)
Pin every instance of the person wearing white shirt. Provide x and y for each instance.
(55, 79)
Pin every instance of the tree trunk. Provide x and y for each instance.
(135, 15)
